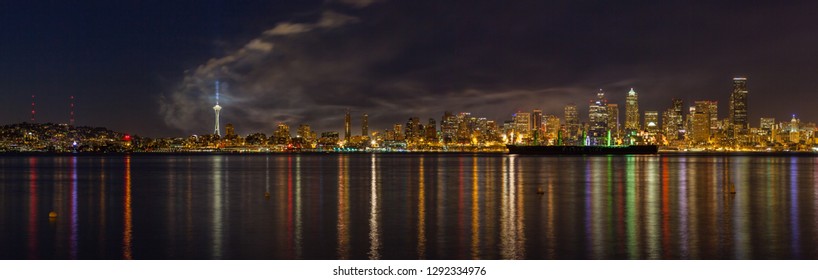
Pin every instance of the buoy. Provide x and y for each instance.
(540, 191)
(267, 195)
(52, 215)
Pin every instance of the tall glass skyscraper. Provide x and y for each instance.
(632, 112)
(738, 107)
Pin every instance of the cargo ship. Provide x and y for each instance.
(582, 150)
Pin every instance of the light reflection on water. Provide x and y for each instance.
(417, 206)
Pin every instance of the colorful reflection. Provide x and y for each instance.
(343, 208)
(447, 206)
(421, 211)
(32, 208)
(127, 236)
(374, 213)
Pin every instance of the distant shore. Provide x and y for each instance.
(217, 152)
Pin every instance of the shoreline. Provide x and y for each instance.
(206, 153)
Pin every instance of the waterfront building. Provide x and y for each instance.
(347, 126)
(598, 116)
(572, 125)
(631, 112)
(613, 120)
(738, 107)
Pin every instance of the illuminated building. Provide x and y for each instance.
(281, 135)
(347, 126)
(305, 132)
(631, 112)
(767, 125)
(522, 123)
(673, 125)
(571, 121)
(613, 120)
(738, 107)
(431, 131)
(598, 116)
(329, 139)
(397, 132)
(552, 127)
(229, 130)
(365, 125)
(448, 127)
(413, 129)
(713, 111)
(652, 122)
(701, 123)
(217, 109)
(536, 122)
(794, 130)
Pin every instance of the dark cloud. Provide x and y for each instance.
(400, 59)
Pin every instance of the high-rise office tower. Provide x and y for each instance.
(282, 134)
(552, 126)
(536, 122)
(767, 125)
(365, 125)
(347, 126)
(230, 131)
(738, 106)
(613, 119)
(632, 112)
(713, 114)
(571, 122)
(448, 127)
(522, 123)
(217, 109)
(598, 116)
(652, 121)
(431, 131)
(701, 121)
(678, 118)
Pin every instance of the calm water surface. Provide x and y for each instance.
(408, 206)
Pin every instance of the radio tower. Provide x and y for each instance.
(71, 121)
(33, 112)
(217, 108)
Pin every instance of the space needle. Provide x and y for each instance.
(217, 108)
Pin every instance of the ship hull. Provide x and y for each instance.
(583, 150)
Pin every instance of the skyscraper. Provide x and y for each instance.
(613, 119)
(347, 126)
(652, 121)
(738, 107)
(536, 122)
(281, 136)
(365, 125)
(522, 123)
(217, 109)
(701, 121)
(598, 116)
(552, 127)
(678, 118)
(571, 122)
(632, 112)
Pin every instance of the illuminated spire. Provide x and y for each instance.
(631, 93)
(217, 108)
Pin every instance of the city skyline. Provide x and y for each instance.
(131, 68)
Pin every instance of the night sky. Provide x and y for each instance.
(148, 67)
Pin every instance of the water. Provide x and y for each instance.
(408, 206)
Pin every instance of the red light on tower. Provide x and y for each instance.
(71, 121)
(33, 112)
(126, 138)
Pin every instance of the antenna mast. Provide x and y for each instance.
(33, 112)
(71, 121)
